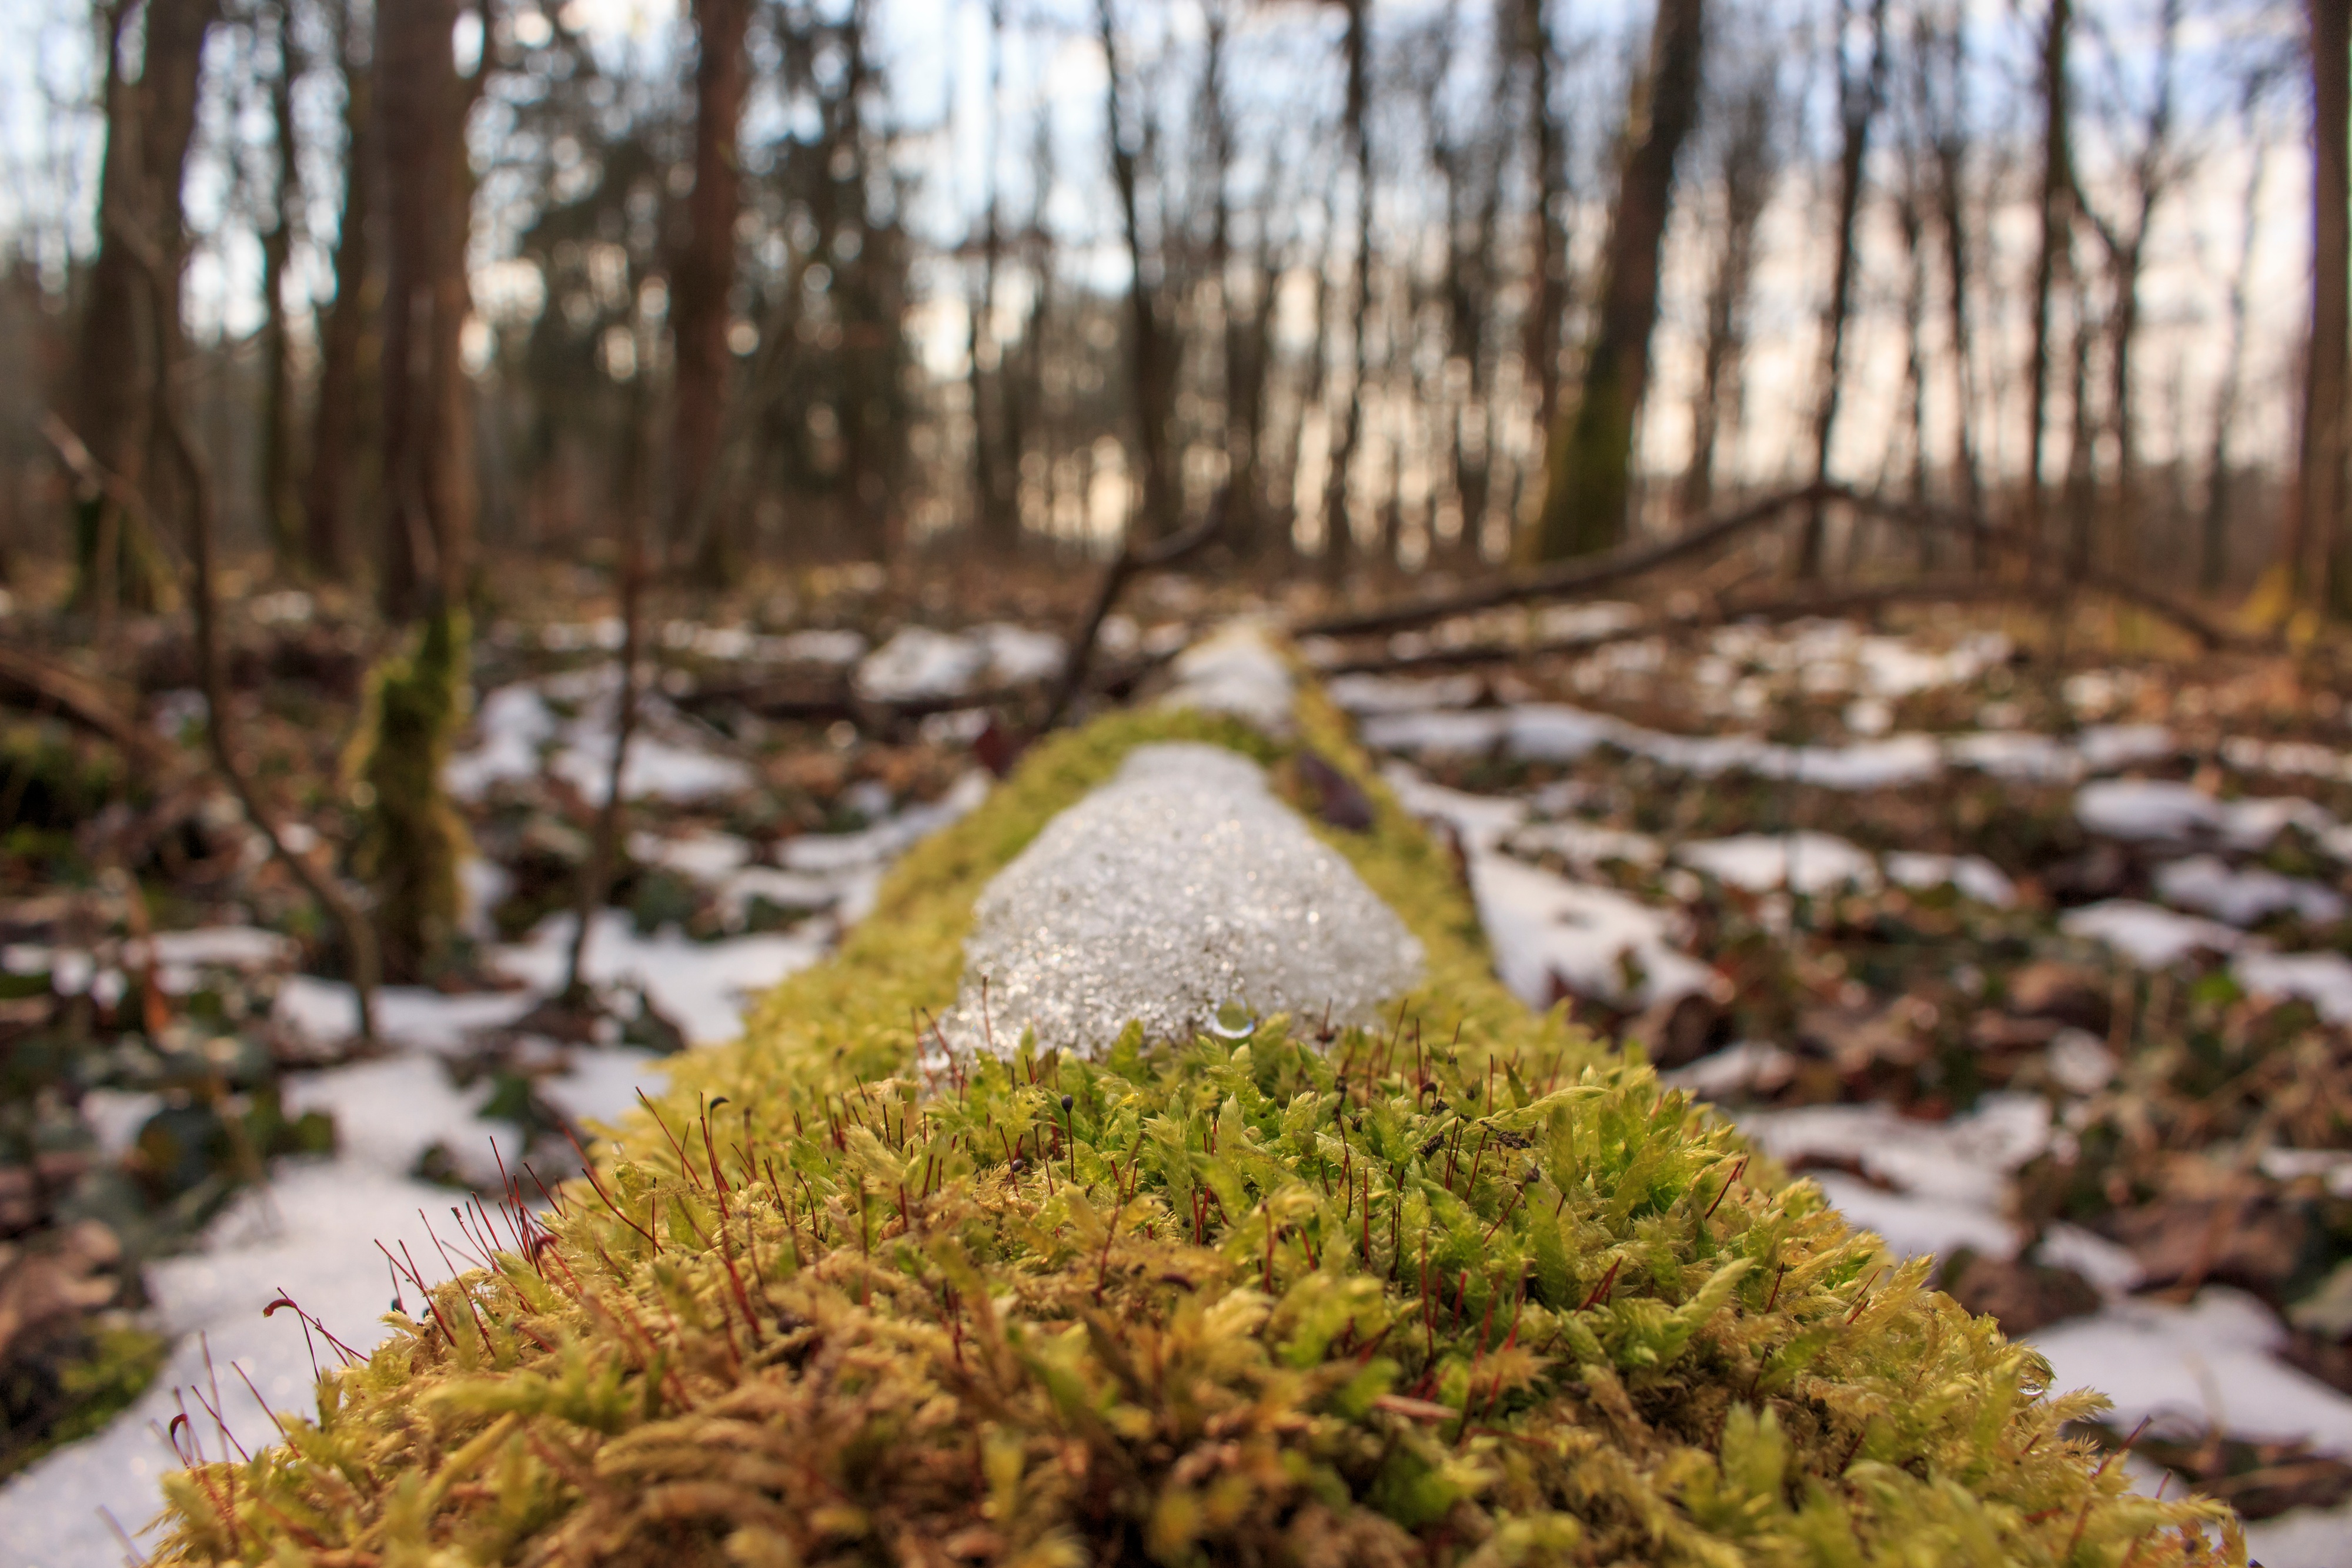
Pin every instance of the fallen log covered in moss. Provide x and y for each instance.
(927, 1272)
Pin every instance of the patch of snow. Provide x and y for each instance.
(2302, 1538)
(2081, 1062)
(921, 661)
(1549, 934)
(1235, 670)
(324, 1013)
(1804, 863)
(1949, 1180)
(388, 1113)
(1438, 732)
(700, 855)
(510, 726)
(784, 889)
(484, 886)
(656, 767)
(601, 1086)
(2111, 1267)
(2147, 933)
(703, 986)
(2141, 808)
(1181, 885)
(2211, 1363)
(1364, 694)
(2016, 755)
(2242, 897)
(2103, 748)
(1744, 1066)
(2323, 979)
(1020, 655)
(2333, 1167)
(886, 840)
(1479, 822)
(115, 1116)
(223, 946)
(1580, 843)
(2297, 758)
(818, 646)
(1973, 875)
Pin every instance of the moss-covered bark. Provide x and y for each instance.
(413, 837)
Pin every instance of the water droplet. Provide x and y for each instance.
(1232, 1020)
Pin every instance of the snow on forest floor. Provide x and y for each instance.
(2045, 977)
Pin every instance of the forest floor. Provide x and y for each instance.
(2041, 963)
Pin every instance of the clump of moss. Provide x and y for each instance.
(1469, 1289)
(413, 837)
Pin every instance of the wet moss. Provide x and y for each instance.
(413, 839)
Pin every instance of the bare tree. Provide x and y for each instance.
(2213, 540)
(1547, 227)
(1938, 88)
(149, 122)
(351, 320)
(2156, 167)
(2053, 258)
(280, 505)
(997, 519)
(1861, 90)
(1339, 537)
(702, 279)
(1589, 474)
(1145, 352)
(1749, 163)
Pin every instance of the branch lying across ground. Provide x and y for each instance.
(1797, 604)
(358, 938)
(1571, 580)
(1132, 560)
(29, 682)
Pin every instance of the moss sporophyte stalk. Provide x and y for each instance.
(1461, 1286)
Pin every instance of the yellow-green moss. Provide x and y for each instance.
(413, 837)
(1467, 1289)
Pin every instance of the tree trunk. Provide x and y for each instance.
(2322, 541)
(995, 514)
(429, 476)
(348, 340)
(1148, 379)
(2213, 551)
(1338, 532)
(280, 506)
(1750, 164)
(1944, 50)
(1548, 293)
(1858, 101)
(2053, 257)
(148, 125)
(702, 279)
(1588, 472)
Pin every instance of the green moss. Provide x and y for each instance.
(110, 1368)
(413, 839)
(1470, 1289)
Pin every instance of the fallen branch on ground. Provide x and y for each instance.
(39, 685)
(1131, 560)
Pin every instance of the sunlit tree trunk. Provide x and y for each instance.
(1750, 165)
(1589, 474)
(1146, 348)
(1339, 535)
(2052, 259)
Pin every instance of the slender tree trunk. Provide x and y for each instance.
(702, 277)
(2052, 259)
(2213, 542)
(1750, 164)
(2321, 541)
(348, 340)
(1944, 52)
(1339, 529)
(281, 507)
(1548, 291)
(1590, 471)
(1858, 101)
(1146, 351)
(997, 517)
(428, 477)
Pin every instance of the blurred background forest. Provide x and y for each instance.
(1442, 285)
